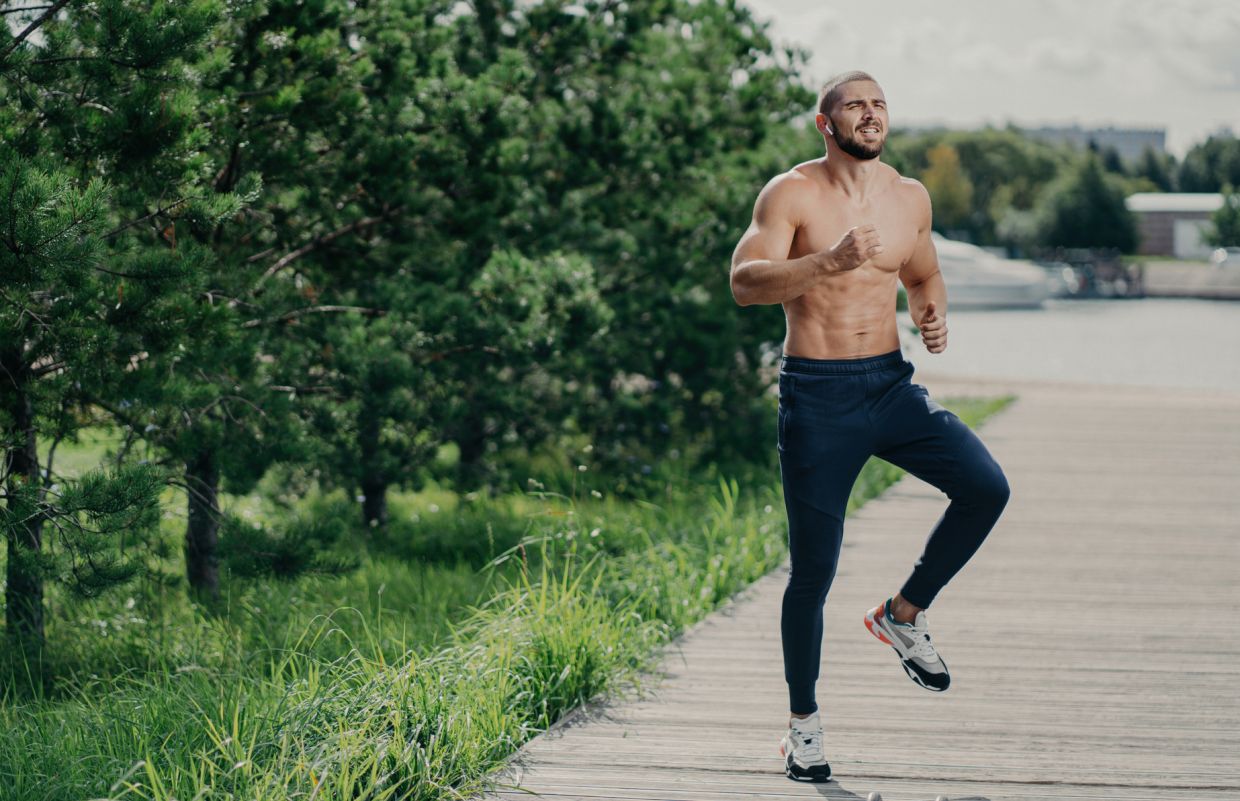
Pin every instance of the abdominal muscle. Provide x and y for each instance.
(849, 316)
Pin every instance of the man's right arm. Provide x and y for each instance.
(762, 273)
(761, 269)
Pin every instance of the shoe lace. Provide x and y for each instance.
(922, 647)
(808, 746)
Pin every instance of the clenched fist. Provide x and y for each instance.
(933, 330)
(855, 248)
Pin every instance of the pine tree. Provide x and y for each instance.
(277, 106)
(1210, 164)
(640, 133)
(433, 160)
(1158, 168)
(100, 160)
(1226, 221)
(1086, 210)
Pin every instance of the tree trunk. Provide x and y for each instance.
(375, 506)
(202, 476)
(472, 443)
(373, 482)
(24, 535)
(488, 15)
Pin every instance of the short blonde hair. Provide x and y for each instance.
(830, 90)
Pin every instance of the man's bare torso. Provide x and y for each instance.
(851, 314)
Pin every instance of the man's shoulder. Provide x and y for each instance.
(795, 180)
(785, 190)
(915, 198)
(912, 189)
(807, 170)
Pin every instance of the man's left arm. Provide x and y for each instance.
(923, 283)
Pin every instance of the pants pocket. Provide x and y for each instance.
(787, 394)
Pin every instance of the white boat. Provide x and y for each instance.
(978, 279)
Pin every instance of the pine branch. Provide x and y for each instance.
(213, 295)
(32, 27)
(131, 436)
(156, 213)
(117, 413)
(139, 276)
(284, 318)
(133, 65)
(318, 242)
(219, 401)
(49, 368)
(76, 222)
(80, 99)
(443, 354)
(259, 256)
(24, 310)
(226, 178)
(203, 498)
(317, 389)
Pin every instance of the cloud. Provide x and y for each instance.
(985, 58)
(1193, 41)
(1201, 69)
(1066, 56)
(1172, 63)
(1185, 24)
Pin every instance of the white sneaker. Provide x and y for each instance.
(911, 641)
(801, 748)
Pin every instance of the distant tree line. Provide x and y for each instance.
(1000, 187)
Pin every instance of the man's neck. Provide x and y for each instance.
(854, 176)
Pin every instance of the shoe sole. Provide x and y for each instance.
(875, 628)
(817, 773)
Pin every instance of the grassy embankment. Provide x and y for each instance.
(410, 677)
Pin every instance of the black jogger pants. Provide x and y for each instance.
(833, 415)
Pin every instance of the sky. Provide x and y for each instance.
(1171, 64)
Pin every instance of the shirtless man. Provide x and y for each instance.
(829, 239)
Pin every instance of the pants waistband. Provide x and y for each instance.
(866, 364)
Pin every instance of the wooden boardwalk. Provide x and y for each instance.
(1094, 640)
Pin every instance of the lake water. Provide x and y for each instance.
(1168, 342)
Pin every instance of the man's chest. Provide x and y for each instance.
(822, 226)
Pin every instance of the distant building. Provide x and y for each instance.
(1130, 143)
(1174, 223)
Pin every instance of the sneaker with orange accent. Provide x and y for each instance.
(801, 749)
(912, 642)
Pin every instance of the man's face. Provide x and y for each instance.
(858, 120)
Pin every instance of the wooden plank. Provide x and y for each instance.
(1093, 650)
(751, 780)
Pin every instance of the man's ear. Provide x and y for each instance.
(824, 123)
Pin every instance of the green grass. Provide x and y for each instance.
(408, 678)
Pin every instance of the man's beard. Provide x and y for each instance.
(853, 147)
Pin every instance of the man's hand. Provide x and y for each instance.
(855, 248)
(933, 330)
